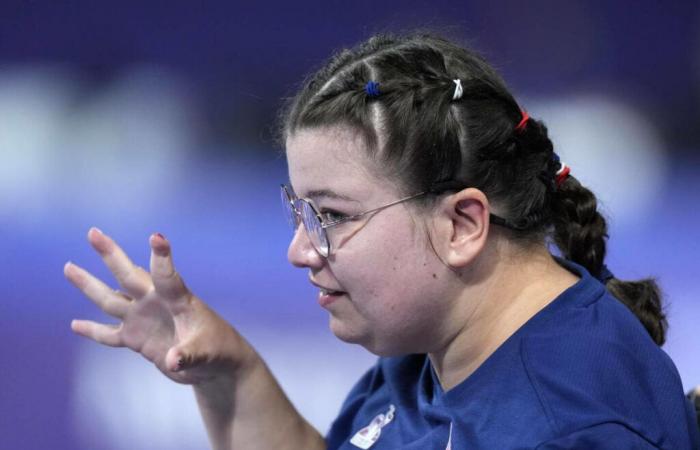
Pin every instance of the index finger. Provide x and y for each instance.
(130, 277)
(166, 280)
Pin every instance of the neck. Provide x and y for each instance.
(491, 309)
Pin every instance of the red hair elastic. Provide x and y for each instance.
(523, 122)
(561, 174)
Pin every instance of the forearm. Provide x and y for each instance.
(251, 412)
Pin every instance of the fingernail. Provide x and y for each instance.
(97, 230)
(180, 362)
(159, 235)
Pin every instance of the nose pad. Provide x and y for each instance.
(301, 252)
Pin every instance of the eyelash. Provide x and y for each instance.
(330, 215)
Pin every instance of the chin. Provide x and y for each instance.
(366, 339)
(352, 335)
(346, 333)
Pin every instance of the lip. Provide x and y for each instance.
(326, 299)
(321, 286)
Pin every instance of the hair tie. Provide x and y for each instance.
(520, 127)
(605, 275)
(553, 181)
(372, 89)
(561, 174)
(458, 89)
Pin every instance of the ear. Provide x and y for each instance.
(465, 222)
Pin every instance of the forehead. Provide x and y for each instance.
(332, 158)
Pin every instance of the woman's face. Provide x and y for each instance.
(393, 295)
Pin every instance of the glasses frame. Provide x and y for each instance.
(290, 198)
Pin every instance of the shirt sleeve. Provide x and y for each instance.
(605, 436)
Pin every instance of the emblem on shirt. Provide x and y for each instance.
(367, 436)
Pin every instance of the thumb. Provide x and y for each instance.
(180, 357)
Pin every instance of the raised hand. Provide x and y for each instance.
(160, 317)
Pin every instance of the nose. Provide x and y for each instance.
(301, 252)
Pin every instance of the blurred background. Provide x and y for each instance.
(138, 117)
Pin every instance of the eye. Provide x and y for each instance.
(330, 215)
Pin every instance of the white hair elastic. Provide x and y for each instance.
(458, 89)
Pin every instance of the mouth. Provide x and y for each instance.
(324, 291)
(326, 296)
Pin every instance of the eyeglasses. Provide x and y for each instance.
(303, 210)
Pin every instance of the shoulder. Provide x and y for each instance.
(611, 436)
(596, 364)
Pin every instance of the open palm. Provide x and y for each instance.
(160, 318)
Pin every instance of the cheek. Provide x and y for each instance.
(392, 276)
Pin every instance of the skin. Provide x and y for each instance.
(242, 405)
(440, 281)
(456, 300)
(384, 308)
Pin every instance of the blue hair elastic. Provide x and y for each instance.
(372, 89)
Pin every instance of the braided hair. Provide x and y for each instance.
(430, 111)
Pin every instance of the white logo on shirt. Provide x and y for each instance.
(366, 437)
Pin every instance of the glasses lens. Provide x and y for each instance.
(289, 212)
(317, 234)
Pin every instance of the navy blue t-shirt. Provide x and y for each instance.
(582, 373)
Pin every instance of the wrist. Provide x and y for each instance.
(218, 394)
(235, 362)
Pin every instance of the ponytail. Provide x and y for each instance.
(580, 232)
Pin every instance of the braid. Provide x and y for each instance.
(644, 298)
(478, 137)
(580, 232)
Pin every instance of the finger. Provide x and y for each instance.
(175, 359)
(112, 302)
(166, 280)
(183, 356)
(133, 279)
(98, 332)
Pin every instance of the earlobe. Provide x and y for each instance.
(469, 218)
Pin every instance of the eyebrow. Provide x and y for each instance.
(327, 193)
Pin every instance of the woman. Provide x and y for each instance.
(424, 203)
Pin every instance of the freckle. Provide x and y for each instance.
(434, 275)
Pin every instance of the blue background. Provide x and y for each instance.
(139, 117)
